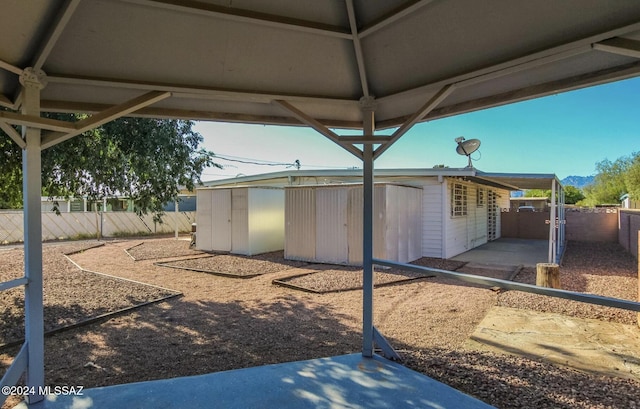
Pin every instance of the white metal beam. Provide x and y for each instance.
(394, 16)
(357, 46)
(13, 283)
(56, 30)
(13, 134)
(518, 66)
(604, 76)
(236, 14)
(192, 91)
(417, 116)
(36, 122)
(10, 67)
(6, 102)
(620, 46)
(319, 127)
(105, 116)
(535, 59)
(15, 371)
(513, 285)
(364, 139)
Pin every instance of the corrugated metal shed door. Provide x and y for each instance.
(221, 220)
(300, 224)
(331, 222)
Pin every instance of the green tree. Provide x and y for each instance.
(632, 178)
(11, 180)
(609, 183)
(537, 193)
(572, 195)
(147, 160)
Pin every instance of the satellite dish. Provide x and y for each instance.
(467, 147)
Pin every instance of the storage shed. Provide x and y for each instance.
(324, 223)
(243, 220)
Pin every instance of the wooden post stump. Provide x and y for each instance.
(548, 275)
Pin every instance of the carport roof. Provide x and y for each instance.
(508, 181)
(308, 61)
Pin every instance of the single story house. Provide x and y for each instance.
(459, 209)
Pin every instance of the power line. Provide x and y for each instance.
(261, 162)
(250, 161)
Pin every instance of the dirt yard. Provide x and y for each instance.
(224, 322)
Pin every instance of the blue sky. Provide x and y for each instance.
(565, 134)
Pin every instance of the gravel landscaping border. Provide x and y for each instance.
(89, 246)
(161, 248)
(73, 296)
(339, 279)
(236, 266)
(205, 270)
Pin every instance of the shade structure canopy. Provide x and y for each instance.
(231, 59)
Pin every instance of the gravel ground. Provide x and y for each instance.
(235, 265)
(156, 249)
(328, 278)
(71, 295)
(597, 268)
(223, 323)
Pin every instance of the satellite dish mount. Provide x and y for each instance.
(467, 147)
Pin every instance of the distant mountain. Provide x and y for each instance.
(577, 181)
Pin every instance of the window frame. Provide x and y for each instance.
(459, 200)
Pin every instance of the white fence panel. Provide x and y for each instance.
(68, 225)
(169, 220)
(123, 223)
(11, 226)
(77, 224)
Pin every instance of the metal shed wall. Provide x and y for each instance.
(324, 223)
(244, 221)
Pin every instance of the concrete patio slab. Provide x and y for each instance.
(508, 252)
(589, 345)
(346, 381)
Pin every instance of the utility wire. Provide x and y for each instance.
(260, 162)
(295, 164)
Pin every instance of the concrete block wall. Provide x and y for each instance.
(629, 229)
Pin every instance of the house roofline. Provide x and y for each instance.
(509, 181)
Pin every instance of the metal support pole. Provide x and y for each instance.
(552, 224)
(33, 81)
(368, 127)
(367, 253)
(176, 213)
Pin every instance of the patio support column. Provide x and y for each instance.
(552, 224)
(33, 81)
(368, 127)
